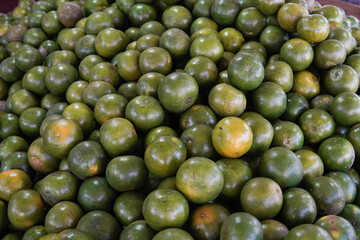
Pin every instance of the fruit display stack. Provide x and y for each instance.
(179, 119)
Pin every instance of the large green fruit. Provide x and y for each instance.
(141, 13)
(313, 28)
(145, 112)
(164, 156)
(22, 100)
(69, 13)
(35, 36)
(207, 31)
(96, 194)
(312, 164)
(176, 42)
(316, 125)
(60, 136)
(60, 77)
(12, 236)
(63, 57)
(243, 226)
(128, 207)
(201, 45)
(67, 38)
(328, 195)
(337, 154)
(246, 72)
(298, 53)
(306, 84)
(347, 184)
(59, 186)
(94, 6)
(289, 15)
(299, 207)
(173, 233)
(105, 72)
(164, 208)
(40, 160)
(269, 7)
(158, 132)
(225, 100)
(155, 59)
(287, 134)
(62, 216)
(308, 231)
(95, 90)
(86, 64)
(177, 17)
(26, 208)
(9, 125)
(351, 213)
(206, 221)
(9, 71)
(322, 101)
(34, 80)
(203, 70)
(110, 106)
(74, 234)
(198, 142)
(118, 136)
(30, 121)
(12, 181)
(250, 21)
(344, 36)
(353, 61)
(12, 144)
(263, 132)
(85, 46)
(152, 27)
(87, 159)
(138, 230)
(269, 100)
(110, 41)
(346, 108)
(236, 173)
(202, 8)
(261, 197)
(274, 230)
(198, 114)
(51, 24)
(126, 173)
(273, 37)
(341, 78)
(337, 227)
(178, 92)
(231, 39)
(82, 114)
(34, 233)
(281, 73)
(96, 22)
(200, 180)
(17, 160)
(281, 165)
(354, 137)
(28, 57)
(333, 14)
(224, 12)
(329, 53)
(128, 65)
(100, 225)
